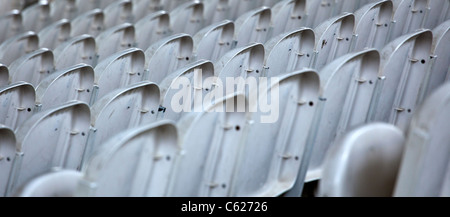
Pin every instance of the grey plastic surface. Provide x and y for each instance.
(32, 67)
(425, 164)
(66, 126)
(289, 52)
(347, 86)
(136, 163)
(69, 84)
(363, 163)
(18, 101)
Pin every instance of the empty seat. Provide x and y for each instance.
(65, 129)
(409, 16)
(274, 152)
(210, 152)
(238, 65)
(121, 69)
(333, 39)
(318, 11)
(404, 65)
(63, 9)
(253, 27)
(168, 55)
(373, 25)
(32, 67)
(135, 163)
(437, 13)
(425, 163)
(363, 163)
(17, 46)
(212, 42)
(239, 7)
(115, 39)
(187, 18)
(350, 6)
(185, 90)
(152, 28)
(11, 23)
(87, 5)
(287, 16)
(69, 84)
(440, 60)
(80, 49)
(58, 183)
(170, 5)
(142, 8)
(216, 11)
(55, 34)
(91, 23)
(18, 102)
(347, 87)
(122, 109)
(289, 52)
(7, 152)
(118, 12)
(4, 75)
(8, 5)
(36, 16)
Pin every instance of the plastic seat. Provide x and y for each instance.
(36, 16)
(437, 13)
(118, 13)
(18, 102)
(191, 84)
(439, 71)
(55, 34)
(121, 69)
(7, 152)
(143, 8)
(80, 49)
(17, 46)
(115, 39)
(409, 16)
(168, 55)
(135, 163)
(253, 27)
(152, 28)
(346, 100)
(272, 162)
(363, 163)
(187, 18)
(373, 25)
(319, 11)
(91, 23)
(333, 39)
(404, 66)
(212, 42)
(239, 64)
(11, 23)
(53, 138)
(63, 9)
(70, 84)
(424, 170)
(216, 11)
(239, 7)
(4, 75)
(58, 183)
(289, 52)
(288, 16)
(122, 109)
